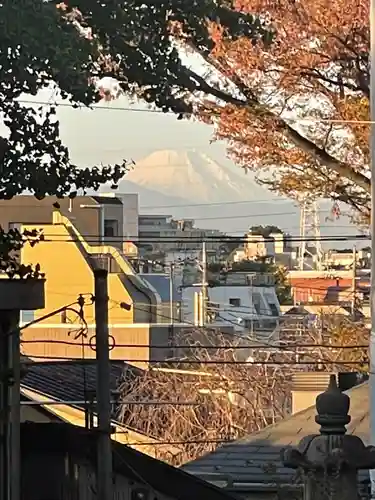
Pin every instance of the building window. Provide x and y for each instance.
(110, 228)
(235, 302)
(274, 309)
(14, 225)
(256, 299)
(27, 317)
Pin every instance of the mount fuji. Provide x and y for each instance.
(194, 177)
(190, 184)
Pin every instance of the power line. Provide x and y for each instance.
(225, 217)
(241, 216)
(207, 238)
(212, 204)
(115, 402)
(159, 111)
(188, 441)
(207, 347)
(213, 362)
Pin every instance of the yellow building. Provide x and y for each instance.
(68, 260)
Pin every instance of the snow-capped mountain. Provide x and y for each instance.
(194, 177)
(218, 195)
(190, 184)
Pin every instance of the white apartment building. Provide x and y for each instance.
(180, 238)
(257, 245)
(251, 310)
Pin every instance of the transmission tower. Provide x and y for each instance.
(310, 239)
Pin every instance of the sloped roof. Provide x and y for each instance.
(256, 458)
(71, 380)
(172, 482)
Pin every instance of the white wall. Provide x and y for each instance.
(131, 212)
(231, 315)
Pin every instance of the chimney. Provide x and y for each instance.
(308, 385)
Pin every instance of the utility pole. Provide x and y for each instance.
(372, 153)
(9, 405)
(103, 394)
(204, 284)
(354, 282)
(171, 307)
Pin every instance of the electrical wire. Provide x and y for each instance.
(215, 362)
(159, 111)
(241, 216)
(187, 205)
(210, 347)
(189, 441)
(213, 204)
(213, 238)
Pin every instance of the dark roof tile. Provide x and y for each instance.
(71, 380)
(260, 448)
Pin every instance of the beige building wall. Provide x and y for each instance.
(303, 399)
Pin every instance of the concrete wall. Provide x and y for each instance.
(303, 399)
(130, 215)
(222, 295)
(33, 414)
(28, 210)
(137, 344)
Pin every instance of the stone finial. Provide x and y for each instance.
(332, 409)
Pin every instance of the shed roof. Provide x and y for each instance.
(164, 478)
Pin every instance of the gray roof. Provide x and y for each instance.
(161, 284)
(256, 458)
(71, 380)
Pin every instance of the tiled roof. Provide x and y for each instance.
(70, 380)
(256, 458)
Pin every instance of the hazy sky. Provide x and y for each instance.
(110, 133)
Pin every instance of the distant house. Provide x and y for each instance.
(251, 467)
(58, 461)
(248, 302)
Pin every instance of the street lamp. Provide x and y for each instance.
(101, 219)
